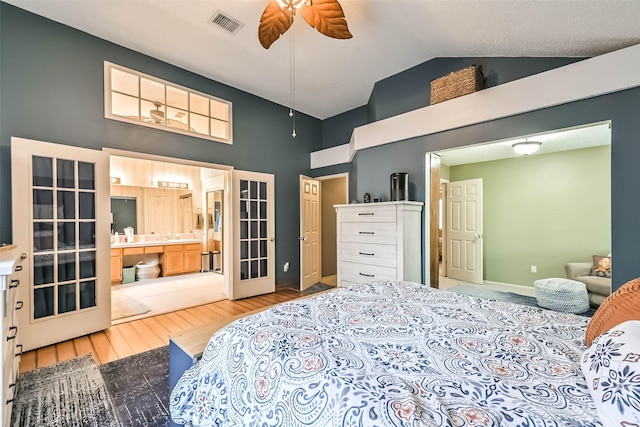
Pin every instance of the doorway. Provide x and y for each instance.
(333, 190)
(175, 258)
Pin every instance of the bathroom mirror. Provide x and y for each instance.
(214, 228)
(124, 214)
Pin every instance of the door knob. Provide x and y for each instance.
(302, 238)
(478, 236)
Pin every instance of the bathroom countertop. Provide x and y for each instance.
(155, 243)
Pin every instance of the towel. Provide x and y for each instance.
(199, 221)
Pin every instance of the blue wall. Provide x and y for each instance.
(51, 82)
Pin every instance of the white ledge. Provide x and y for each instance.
(611, 72)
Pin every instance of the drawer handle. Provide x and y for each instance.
(366, 275)
(18, 268)
(15, 333)
(366, 214)
(9, 401)
(367, 253)
(14, 283)
(367, 232)
(19, 305)
(19, 353)
(12, 385)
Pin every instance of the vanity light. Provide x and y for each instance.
(169, 184)
(527, 147)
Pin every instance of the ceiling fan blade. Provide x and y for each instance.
(273, 23)
(327, 17)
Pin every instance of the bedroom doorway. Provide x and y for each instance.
(332, 190)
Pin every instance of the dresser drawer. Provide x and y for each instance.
(380, 233)
(369, 213)
(363, 273)
(369, 253)
(133, 251)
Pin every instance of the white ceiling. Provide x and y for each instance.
(333, 76)
(562, 140)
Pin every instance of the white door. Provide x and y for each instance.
(159, 212)
(61, 221)
(310, 255)
(253, 234)
(464, 230)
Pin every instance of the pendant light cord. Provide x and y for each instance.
(292, 71)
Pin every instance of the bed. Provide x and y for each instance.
(387, 354)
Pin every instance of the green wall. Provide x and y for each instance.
(543, 210)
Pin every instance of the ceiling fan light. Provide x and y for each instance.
(291, 4)
(527, 147)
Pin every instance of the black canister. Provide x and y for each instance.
(399, 182)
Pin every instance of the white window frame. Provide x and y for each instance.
(108, 66)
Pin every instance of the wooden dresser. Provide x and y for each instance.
(379, 241)
(10, 267)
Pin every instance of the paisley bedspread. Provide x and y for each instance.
(391, 354)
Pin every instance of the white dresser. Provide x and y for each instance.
(379, 241)
(10, 268)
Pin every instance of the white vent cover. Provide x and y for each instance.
(226, 22)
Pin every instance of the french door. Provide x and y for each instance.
(253, 234)
(60, 201)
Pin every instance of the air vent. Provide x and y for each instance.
(226, 22)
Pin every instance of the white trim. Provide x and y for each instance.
(573, 82)
(154, 157)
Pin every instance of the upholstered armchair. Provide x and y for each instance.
(598, 288)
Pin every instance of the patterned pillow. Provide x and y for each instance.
(601, 266)
(611, 366)
(620, 306)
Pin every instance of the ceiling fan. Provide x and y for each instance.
(326, 16)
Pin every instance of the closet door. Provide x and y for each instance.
(60, 218)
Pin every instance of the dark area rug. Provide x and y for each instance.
(139, 388)
(477, 291)
(70, 393)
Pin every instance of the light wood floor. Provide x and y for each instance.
(127, 339)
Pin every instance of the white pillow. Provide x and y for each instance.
(611, 366)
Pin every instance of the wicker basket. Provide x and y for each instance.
(458, 83)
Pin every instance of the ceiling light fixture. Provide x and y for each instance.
(527, 147)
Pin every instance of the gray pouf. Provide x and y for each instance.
(566, 295)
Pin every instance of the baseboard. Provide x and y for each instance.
(518, 289)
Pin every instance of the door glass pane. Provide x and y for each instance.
(87, 238)
(66, 205)
(244, 214)
(66, 236)
(65, 171)
(263, 190)
(254, 269)
(66, 298)
(87, 264)
(87, 294)
(86, 176)
(244, 250)
(244, 270)
(263, 268)
(263, 248)
(244, 189)
(254, 249)
(254, 229)
(86, 205)
(42, 269)
(42, 204)
(263, 210)
(253, 211)
(42, 236)
(263, 229)
(66, 267)
(43, 302)
(42, 171)
(244, 229)
(253, 189)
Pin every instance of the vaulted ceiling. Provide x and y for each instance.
(333, 76)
